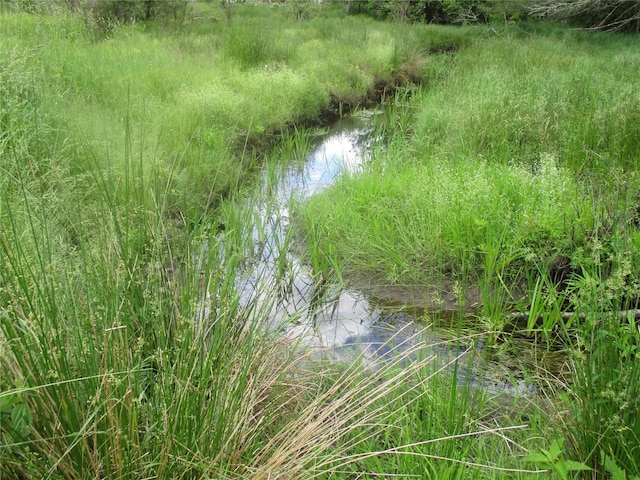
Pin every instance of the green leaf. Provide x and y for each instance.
(7, 401)
(537, 457)
(573, 466)
(21, 419)
(555, 450)
(611, 467)
(561, 470)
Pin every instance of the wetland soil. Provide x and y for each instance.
(439, 295)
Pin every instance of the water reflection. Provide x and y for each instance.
(341, 323)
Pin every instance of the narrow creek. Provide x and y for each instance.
(344, 324)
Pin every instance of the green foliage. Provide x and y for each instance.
(615, 471)
(250, 47)
(426, 437)
(469, 220)
(504, 85)
(553, 459)
(16, 415)
(244, 87)
(18, 100)
(38, 6)
(514, 172)
(125, 348)
(105, 15)
(605, 390)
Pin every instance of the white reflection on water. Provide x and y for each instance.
(340, 315)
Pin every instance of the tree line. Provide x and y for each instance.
(614, 15)
(618, 15)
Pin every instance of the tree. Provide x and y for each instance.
(614, 15)
(228, 12)
(110, 12)
(439, 11)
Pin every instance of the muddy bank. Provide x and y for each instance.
(444, 295)
(436, 297)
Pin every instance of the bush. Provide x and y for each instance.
(105, 14)
(439, 11)
(618, 15)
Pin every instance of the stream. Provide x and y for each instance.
(343, 324)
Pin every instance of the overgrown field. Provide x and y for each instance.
(125, 350)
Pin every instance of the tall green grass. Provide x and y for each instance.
(129, 354)
(126, 350)
(603, 395)
(515, 173)
(132, 356)
(509, 146)
(201, 96)
(445, 218)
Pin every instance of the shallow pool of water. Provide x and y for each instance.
(343, 323)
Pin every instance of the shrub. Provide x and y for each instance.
(619, 15)
(105, 14)
(439, 11)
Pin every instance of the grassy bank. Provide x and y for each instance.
(522, 150)
(197, 102)
(511, 181)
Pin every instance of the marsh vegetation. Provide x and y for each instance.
(502, 179)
